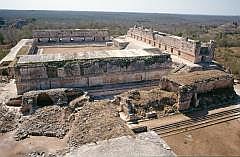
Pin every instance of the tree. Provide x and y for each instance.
(1, 38)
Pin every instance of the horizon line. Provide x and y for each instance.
(135, 12)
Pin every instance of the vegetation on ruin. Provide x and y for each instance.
(23, 50)
(3, 53)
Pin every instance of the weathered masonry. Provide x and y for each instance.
(192, 50)
(200, 88)
(71, 35)
(38, 72)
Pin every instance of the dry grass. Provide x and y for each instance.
(3, 53)
(23, 51)
(230, 58)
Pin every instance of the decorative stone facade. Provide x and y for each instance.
(71, 35)
(192, 50)
(39, 72)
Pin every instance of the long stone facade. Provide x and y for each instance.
(71, 35)
(192, 50)
(38, 72)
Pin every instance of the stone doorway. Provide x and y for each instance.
(44, 99)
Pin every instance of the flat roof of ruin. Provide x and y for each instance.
(28, 59)
(197, 77)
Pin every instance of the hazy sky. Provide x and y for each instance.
(215, 7)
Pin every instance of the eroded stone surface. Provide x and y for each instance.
(143, 145)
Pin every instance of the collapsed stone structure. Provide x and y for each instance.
(212, 86)
(185, 48)
(142, 104)
(61, 97)
(177, 93)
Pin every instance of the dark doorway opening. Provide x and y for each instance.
(203, 59)
(44, 100)
(5, 72)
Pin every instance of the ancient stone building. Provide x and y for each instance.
(38, 72)
(192, 50)
(71, 35)
(200, 87)
(177, 92)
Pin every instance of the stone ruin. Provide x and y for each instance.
(177, 93)
(141, 104)
(32, 100)
(40, 72)
(200, 88)
(71, 35)
(191, 50)
(98, 69)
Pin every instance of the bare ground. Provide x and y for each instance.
(9, 147)
(54, 50)
(217, 140)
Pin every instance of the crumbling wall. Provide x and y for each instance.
(192, 93)
(60, 97)
(140, 104)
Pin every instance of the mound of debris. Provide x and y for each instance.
(51, 121)
(97, 121)
(39, 154)
(8, 119)
(146, 104)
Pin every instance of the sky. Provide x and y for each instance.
(209, 7)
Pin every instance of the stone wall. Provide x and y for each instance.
(145, 104)
(189, 90)
(71, 35)
(61, 97)
(92, 72)
(185, 48)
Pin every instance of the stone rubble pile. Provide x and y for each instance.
(51, 121)
(97, 121)
(146, 104)
(8, 119)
